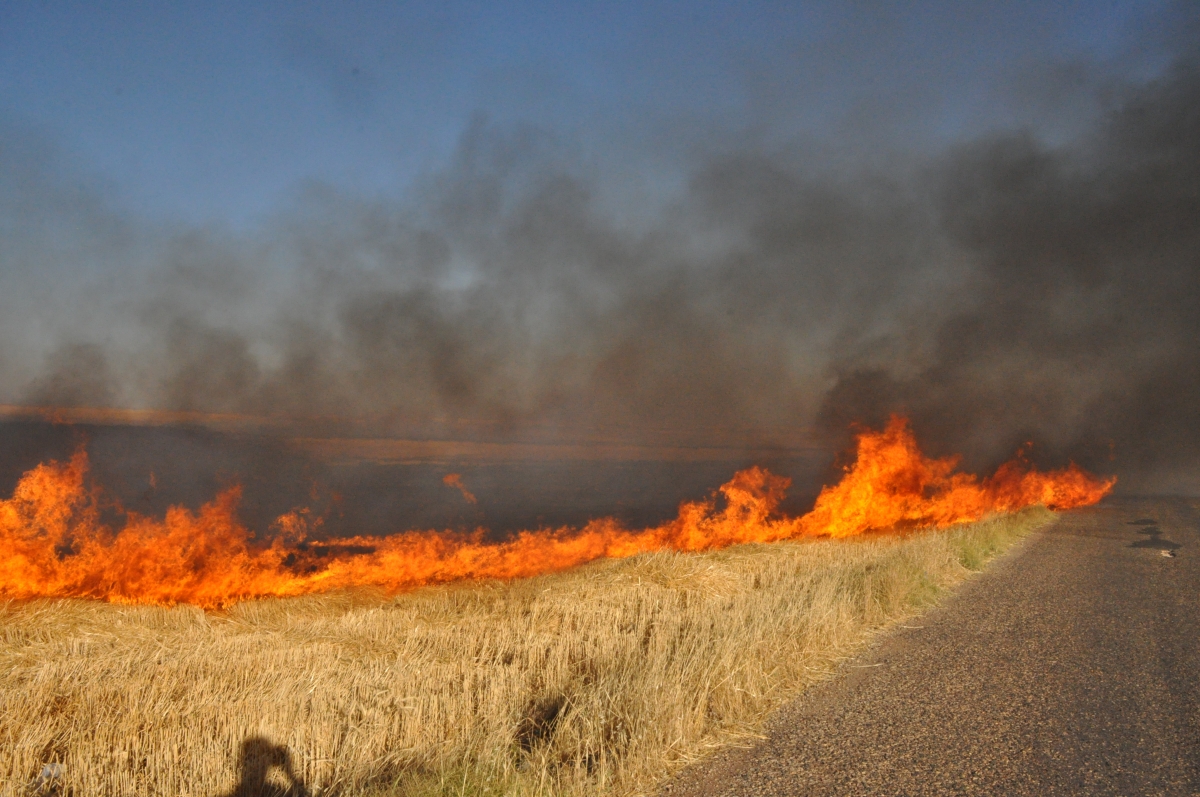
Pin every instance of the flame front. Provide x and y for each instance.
(54, 544)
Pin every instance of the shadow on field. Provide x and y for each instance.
(258, 757)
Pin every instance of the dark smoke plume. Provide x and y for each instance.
(1004, 290)
(1083, 326)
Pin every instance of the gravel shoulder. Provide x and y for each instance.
(1071, 666)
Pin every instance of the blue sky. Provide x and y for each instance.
(220, 111)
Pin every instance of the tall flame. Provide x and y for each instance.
(53, 542)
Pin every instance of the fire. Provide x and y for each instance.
(892, 484)
(454, 480)
(53, 542)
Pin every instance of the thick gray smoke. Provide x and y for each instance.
(1001, 290)
(1083, 326)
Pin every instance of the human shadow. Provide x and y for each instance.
(258, 758)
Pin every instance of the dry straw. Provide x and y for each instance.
(601, 680)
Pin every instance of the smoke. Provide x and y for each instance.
(1083, 328)
(1002, 289)
(502, 296)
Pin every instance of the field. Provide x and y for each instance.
(599, 680)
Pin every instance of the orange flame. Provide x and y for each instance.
(455, 481)
(54, 544)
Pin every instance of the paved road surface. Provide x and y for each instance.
(1071, 667)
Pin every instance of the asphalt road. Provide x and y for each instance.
(1069, 667)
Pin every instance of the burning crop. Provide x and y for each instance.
(55, 543)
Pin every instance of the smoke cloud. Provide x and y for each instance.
(1002, 289)
(1081, 330)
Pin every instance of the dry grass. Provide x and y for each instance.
(597, 681)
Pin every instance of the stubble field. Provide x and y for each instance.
(600, 680)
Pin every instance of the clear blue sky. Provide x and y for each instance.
(219, 111)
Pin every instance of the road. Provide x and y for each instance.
(1070, 667)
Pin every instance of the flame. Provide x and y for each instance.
(891, 484)
(454, 480)
(53, 542)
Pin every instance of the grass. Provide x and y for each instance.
(601, 680)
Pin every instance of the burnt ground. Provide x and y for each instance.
(1071, 666)
(190, 465)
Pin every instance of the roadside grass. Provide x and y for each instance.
(600, 680)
